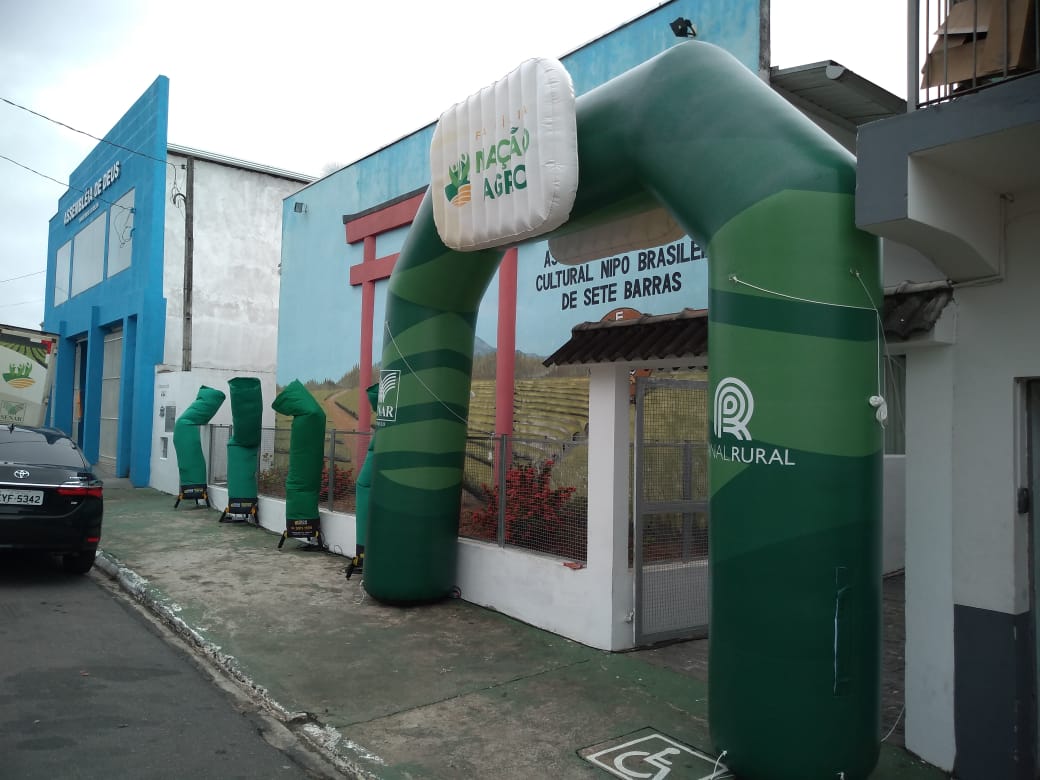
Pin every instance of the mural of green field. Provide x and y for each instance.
(554, 407)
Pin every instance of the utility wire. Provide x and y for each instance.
(88, 135)
(139, 153)
(33, 170)
(23, 276)
(20, 303)
(63, 184)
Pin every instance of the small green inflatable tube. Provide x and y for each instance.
(187, 441)
(306, 458)
(247, 406)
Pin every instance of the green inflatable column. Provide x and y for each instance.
(306, 458)
(363, 489)
(187, 443)
(247, 407)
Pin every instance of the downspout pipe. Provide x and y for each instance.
(189, 257)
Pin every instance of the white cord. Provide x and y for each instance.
(881, 338)
(876, 401)
(718, 761)
(900, 715)
(734, 278)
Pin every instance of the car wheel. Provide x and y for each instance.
(78, 563)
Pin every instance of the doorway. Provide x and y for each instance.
(111, 376)
(670, 508)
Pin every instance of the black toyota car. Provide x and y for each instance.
(50, 499)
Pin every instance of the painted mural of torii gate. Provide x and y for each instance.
(796, 444)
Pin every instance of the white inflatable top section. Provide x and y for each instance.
(639, 231)
(504, 162)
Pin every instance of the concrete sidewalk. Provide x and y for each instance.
(443, 691)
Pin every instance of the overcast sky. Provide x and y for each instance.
(296, 85)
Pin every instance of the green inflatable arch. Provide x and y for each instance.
(796, 447)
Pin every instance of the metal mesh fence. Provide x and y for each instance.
(545, 490)
(674, 474)
(545, 485)
(218, 439)
(343, 453)
(478, 518)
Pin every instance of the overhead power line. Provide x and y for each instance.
(63, 184)
(174, 188)
(88, 135)
(33, 170)
(24, 276)
(20, 303)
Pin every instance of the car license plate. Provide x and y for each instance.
(24, 497)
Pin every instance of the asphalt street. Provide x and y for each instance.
(91, 687)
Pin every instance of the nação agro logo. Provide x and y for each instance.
(496, 163)
(458, 190)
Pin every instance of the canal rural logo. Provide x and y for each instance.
(733, 407)
(500, 165)
(18, 375)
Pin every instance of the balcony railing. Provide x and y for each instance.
(961, 46)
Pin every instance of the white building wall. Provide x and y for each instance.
(237, 215)
(929, 550)
(998, 344)
(900, 265)
(965, 542)
(179, 389)
(237, 232)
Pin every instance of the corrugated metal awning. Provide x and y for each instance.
(838, 92)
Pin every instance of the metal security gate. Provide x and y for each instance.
(111, 375)
(670, 509)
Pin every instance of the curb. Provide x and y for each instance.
(319, 738)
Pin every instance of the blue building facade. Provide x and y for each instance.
(105, 289)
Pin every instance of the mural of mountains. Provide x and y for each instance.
(481, 348)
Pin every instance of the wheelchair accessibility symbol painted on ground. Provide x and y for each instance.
(656, 757)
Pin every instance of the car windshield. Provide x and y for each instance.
(39, 448)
